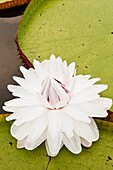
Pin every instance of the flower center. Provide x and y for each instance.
(55, 92)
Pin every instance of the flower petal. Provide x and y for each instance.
(67, 125)
(76, 113)
(73, 144)
(82, 85)
(19, 91)
(104, 103)
(26, 114)
(85, 143)
(71, 68)
(91, 109)
(27, 85)
(60, 91)
(55, 69)
(54, 124)
(53, 145)
(22, 102)
(34, 127)
(36, 143)
(88, 95)
(89, 132)
(21, 143)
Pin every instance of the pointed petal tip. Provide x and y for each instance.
(14, 78)
(4, 107)
(7, 118)
(105, 86)
(52, 57)
(22, 69)
(9, 87)
(5, 103)
(110, 103)
(36, 63)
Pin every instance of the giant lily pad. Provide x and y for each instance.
(99, 156)
(4, 4)
(80, 31)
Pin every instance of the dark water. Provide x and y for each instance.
(9, 59)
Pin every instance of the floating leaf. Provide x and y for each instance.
(4, 4)
(99, 156)
(80, 31)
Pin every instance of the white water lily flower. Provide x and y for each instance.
(56, 106)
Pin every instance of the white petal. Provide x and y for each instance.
(89, 132)
(10, 108)
(21, 143)
(64, 65)
(40, 70)
(85, 143)
(53, 145)
(36, 143)
(27, 85)
(73, 144)
(19, 91)
(104, 103)
(54, 125)
(76, 113)
(82, 85)
(71, 68)
(55, 69)
(30, 128)
(93, 110)
(44, 102)
(60, 91)
(45, 65)
(38, 128)
(53, 97)
(22, 102)
(59, 60)
(27, 114)
(66, 77)
(67, 125)
(89, 94)
(52, 57)
(20, 132)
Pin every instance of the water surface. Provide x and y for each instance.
(9, 59)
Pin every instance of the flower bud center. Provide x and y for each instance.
(54, 91)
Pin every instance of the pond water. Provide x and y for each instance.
(9, 58)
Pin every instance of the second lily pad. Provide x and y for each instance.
(4, 4)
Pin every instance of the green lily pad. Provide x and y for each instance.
(80, 31)
(99, 156)
(4, 4)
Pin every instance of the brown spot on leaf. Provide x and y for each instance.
(86, 66)
(109, 158)
(11, 143)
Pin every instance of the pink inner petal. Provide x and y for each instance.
(51, 93)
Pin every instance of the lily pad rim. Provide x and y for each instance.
(12, 3)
